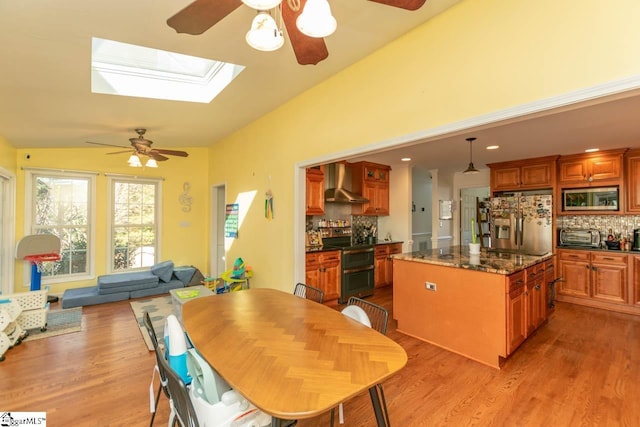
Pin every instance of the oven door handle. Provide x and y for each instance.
(357, 269)
(356, 251)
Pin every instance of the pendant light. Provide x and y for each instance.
(264, 33)
(471, 169)
(316, 19)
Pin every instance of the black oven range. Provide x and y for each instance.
(357, 264)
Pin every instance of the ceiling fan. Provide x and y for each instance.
(142, 147)
(201, 15)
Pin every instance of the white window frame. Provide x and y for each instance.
(112, 180)
(30, 175)
(8, 225)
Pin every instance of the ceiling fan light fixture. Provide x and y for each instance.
(264, 33)
(471, 169)
(262, 4)
(151, 163)
(316, 19)
(134, 161)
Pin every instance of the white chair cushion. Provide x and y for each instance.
(356, 313)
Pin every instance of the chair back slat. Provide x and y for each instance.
(378, 315)
(309, 292)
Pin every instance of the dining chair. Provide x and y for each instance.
(376, 317)
(182, 412)
(146, 319)
(309, 292)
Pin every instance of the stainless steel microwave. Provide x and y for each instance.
(591, 199)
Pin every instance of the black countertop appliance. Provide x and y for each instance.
(636, 239)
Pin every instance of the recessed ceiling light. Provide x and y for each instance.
(591, 150)
(493, 147)
(406, 159)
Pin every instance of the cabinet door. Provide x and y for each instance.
(380, 266)
(574, 269)
(312, 269)
(573, 170)
(609, 278)
(535, 301)
(606, 167)
(315, 193)
(382, 199)
(395, 248)
(633, 182)
(330, 275)
(536, 176)
(516, 312)
(549, 285)
(635, 278)
(505, 178)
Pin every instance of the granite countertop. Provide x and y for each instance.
(487, 261)
(310, 249)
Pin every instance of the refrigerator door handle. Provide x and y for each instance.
(520, 231)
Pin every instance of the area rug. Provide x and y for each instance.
(158, 308)
(59, 322)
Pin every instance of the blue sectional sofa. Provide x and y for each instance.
(160, 279)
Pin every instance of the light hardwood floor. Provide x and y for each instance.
(580, 369)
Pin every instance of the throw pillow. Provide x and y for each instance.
(163, 270)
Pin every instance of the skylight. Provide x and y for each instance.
(130, 70)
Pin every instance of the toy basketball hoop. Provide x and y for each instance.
(37, 249)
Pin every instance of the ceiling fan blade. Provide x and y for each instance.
(201, 15)
(106, 145)
(120, 152)
(156, 156)
(171, 152)
(308, 50)
(403, 4)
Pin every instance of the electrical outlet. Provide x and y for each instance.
(430, 286)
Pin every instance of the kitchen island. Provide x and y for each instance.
(479, 306)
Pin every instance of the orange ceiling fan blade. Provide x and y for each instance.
(156, 156)
(403, 4)
(308, 50)
(201, 15)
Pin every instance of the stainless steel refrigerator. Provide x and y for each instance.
(522, 223)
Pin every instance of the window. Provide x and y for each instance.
(61, 204)
(134, 227)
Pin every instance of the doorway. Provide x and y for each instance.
(7, 233)
(468, 210)
(217, 257)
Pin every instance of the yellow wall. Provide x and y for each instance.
(184, 234)
(7, 156)
(478, 57)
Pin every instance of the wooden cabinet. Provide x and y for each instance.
(383, 272)
(632, 181)
(516, 312)
(593, 277)
(535, 296)
(323, 271)
(550, 285)
(315, 191)
(634, 265)
(529, 174)
(372, 181)
(590, 168)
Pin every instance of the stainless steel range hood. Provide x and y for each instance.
(338, 194)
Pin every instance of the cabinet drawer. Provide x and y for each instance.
(601, 258)
(516, 280)
(574, 255)
(330, 256)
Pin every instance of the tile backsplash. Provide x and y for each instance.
(620, 225)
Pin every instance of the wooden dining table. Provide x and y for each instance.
(291, 357)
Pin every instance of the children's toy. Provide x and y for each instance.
(237, 278)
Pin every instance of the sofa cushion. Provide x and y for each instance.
(78, 297)
(163, 270)
(125, 282)
(184, 273)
